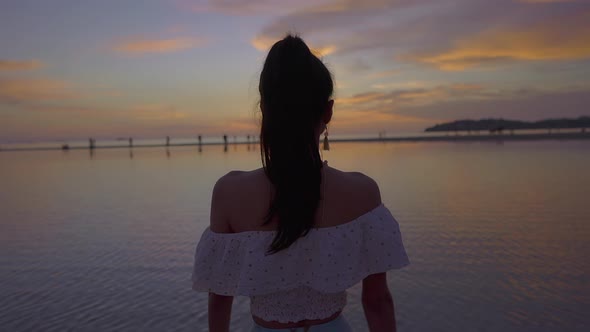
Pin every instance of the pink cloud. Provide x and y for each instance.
(163, 45)
(15, 91)
(436, 33)
(247, 7)
(546, 1)
(14, 65)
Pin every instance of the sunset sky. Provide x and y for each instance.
(78, 68)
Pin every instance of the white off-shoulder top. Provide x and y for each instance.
(309, 279)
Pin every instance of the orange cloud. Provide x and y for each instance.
(264, 43)
(13, 65)
(14, 91)
(563, 38)
(360, 98)
(369, 121)
(241, 125)
(383, 74)
(143, 45)
(150, 108)
(155, 112)
(388, 101)
(466, 87)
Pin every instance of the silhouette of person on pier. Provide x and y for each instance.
(224, 143)
(167, 140)
(91, 146)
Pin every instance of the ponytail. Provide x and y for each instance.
(295, 88)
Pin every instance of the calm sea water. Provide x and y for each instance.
(498, 235)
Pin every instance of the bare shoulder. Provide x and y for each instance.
(361, 188)
(364, 182)
(227, 180)
(232, 193)
(236, 178)
(233, 184)
(227, 193)
(371, 195)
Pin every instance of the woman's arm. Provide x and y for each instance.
(378, 304)
(219, 312)
(376, 298)
(220, 305)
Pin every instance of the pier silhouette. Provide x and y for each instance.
(250, 140)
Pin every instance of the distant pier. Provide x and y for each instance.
(438, 138)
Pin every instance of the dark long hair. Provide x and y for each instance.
(295, 88)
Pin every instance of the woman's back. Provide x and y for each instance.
(246, 197)
(354, 236)
(296, 234)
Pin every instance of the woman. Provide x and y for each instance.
(295, 234)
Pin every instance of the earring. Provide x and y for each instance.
(326, 143)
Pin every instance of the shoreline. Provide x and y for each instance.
(447, 138)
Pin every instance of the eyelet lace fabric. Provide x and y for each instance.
(309, 278)
(297, 304)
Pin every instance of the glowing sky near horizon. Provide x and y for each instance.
(73, 69)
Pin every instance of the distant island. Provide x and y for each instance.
(498, 125)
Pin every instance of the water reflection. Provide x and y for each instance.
(497, 235)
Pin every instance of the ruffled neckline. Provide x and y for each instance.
(328, 259)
